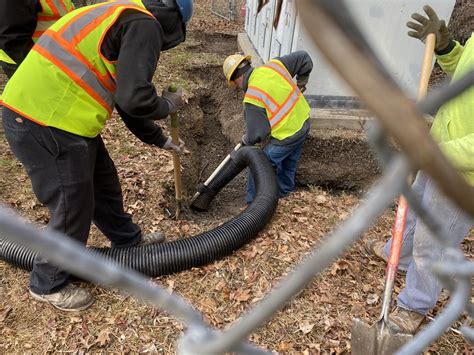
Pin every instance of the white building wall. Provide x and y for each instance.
(383, 23)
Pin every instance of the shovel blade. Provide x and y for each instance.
(378, 339)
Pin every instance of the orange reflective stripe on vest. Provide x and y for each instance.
(59, 48)
(263, 97)
(75, 68)
(278, 112)
(48, 16)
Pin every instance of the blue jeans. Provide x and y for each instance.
(420, 250)
(284, 160)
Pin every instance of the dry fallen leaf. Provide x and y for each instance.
(306, 327)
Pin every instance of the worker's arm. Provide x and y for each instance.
(144, 129)
(449, 57)
(258, 127)
(17, 24)
(137, 41)
(134, 42)
(299, 65)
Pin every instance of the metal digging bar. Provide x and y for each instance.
(330, 25)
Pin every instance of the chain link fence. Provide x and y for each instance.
(353, 59)
(230, 10)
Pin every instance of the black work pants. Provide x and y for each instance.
(76, 180)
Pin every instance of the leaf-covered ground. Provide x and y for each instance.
(317, 320)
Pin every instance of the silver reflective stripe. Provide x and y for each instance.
(77, 67)
(42, 26)
(286, 108)
(82, 20)
(62, 11)
(282, 71)
(268, 103)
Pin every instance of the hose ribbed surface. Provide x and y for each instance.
(167, 258)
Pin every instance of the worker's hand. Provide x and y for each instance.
(169, 145)
(432, 24)
(301, 83)
(244, 140)
(174, 99)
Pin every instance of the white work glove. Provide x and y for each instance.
(169, 145)
(174, 99)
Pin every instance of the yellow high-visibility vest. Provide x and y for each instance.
(65, 81)
(272, 88)
(4, 57)
(51, 11)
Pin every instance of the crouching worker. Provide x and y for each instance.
(56, 105)
(276, 113)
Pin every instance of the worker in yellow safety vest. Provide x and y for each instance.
(276, 112)
(453, 129)
(89, 62)
(21, 24)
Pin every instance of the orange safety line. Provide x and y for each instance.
(24, 115)
(291, 108)
(63, 5)
(75, 18)
(37, 34)
(96, 22)
(73, 76)
(256, 98)
(52, 7)
(48, 18)
(266, 95)
(110, 25)
(74, 52)
(284, 76)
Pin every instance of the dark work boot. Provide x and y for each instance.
(406, 321)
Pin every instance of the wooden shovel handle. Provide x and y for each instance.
(176, 158)
(426, 66)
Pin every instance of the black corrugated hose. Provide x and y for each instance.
(170, 257)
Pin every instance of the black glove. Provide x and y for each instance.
(174, 99)
(432, 24)
(169, 145)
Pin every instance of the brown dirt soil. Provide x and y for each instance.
(318, 320)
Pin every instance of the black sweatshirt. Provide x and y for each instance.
(299, 65)
(134, 42)
(17, 24)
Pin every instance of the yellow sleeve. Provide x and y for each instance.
(448, 62)
(5, 57)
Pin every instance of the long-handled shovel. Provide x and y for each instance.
(176, 158)
(380, 338)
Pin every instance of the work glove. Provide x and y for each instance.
(169, 145)
(244, 140)
(174, 99)
(301, 83)
(432, 24)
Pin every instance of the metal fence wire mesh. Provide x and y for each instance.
(330, 23)
(228, 9)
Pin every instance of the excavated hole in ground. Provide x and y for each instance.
(333, 160)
